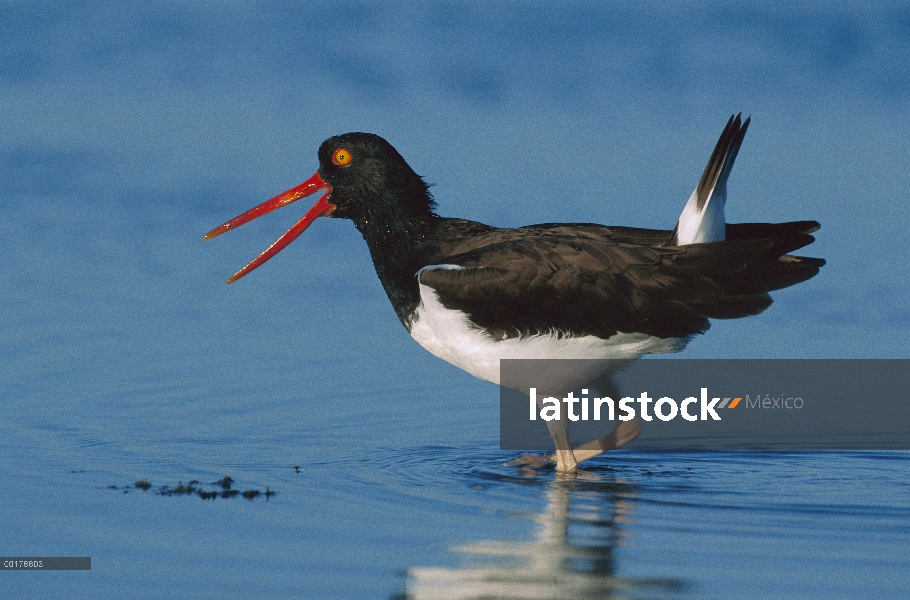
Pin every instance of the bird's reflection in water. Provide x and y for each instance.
(571, 555)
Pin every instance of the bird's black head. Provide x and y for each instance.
(371, 182)
(366, 181)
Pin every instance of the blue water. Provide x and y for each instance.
(127, 132)
(378, 508)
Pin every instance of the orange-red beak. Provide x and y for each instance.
(322, 208)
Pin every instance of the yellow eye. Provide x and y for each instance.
(341, 157)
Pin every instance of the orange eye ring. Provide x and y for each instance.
(342, 157)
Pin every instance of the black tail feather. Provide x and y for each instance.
(787, 237)
(740, 271)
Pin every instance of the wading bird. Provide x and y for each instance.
(473, 294)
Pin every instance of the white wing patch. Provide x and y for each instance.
(702, 220)
(440, 268)
(706, 225)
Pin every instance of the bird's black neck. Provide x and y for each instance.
(397, 242)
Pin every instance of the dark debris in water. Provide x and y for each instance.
(223, 489)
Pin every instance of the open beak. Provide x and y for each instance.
(322, 208)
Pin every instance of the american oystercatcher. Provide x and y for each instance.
(473, 294)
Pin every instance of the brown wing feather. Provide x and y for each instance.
(580, 280)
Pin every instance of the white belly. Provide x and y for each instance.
(449, 335)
